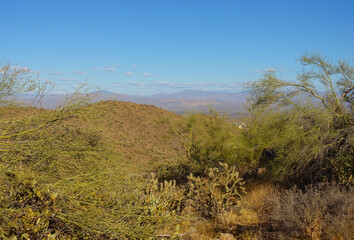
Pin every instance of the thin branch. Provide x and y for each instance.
(342, 98)
(313, 94)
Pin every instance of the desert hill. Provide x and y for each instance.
(139, 135)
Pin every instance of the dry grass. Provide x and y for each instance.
(241, 222)
(257, 195)
(243, 217)
(265, 212)
(324, 211)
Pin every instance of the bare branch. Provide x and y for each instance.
(342, 98)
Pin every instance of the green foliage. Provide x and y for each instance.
(294, 142)
(61, 180)
(208, 140)
(161, 201)
(216, 193)
(320, 75)
(58, 180)
(310, 140)
(93, 197)
(27, 209)
(178, 170)
(343, 160)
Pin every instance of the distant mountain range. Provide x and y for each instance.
(182, 102)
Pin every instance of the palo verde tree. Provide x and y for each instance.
(60, 180)
(308, 122)
(332, 85)
(15, 80)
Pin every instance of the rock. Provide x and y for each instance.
(266, 156)
(226, 236)
(252, 174)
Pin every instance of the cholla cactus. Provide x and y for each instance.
(162, 199)
(217, 192)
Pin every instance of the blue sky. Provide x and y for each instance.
(145, 47)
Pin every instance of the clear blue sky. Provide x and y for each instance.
(144, 47)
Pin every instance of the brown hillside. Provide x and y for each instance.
(139, 134)
(10, 113)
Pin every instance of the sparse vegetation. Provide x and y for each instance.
(114, 170)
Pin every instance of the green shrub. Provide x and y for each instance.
(208, 140)
(178, 170)
(61, 181)
(28, 210)
(307, 128)
(306, 147)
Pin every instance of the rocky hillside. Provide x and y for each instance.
(141, 134)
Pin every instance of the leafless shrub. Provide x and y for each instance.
(325, 211)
